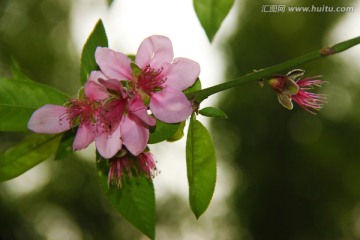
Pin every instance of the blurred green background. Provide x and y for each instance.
(297, 175)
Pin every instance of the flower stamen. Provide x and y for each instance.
(79, 112)
(150, 80)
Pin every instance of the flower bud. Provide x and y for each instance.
(290, 87)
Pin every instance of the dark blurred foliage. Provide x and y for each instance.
(35, 34)
(300, 172)
(69, 206)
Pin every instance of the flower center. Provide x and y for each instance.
(110, 114)
(80, 112)
(150, 80)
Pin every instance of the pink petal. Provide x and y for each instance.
(49, 119)
(113, 86)
(108, 144)
(181, 74)
(170, 105)
(134, 134)
(84, 136)
(95, 91)
(138, 109)
(113, 64)
(96, 75)
(154, 51)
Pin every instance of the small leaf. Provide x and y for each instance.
(81, 93)
(26, 154)
(97, 38)
(132, 57)
(109, 2)
(212, 112)
(195, 87)
(179, 133)
(211, 14)
(136, 71)
(162, 131)
(19, 99)
(201, 166)
(135, 200)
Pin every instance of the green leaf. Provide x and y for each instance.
(179, 133)
(65, 148)
(162, 131)
(212, 112)
(211, 14)
(26, 154)
(195, 87)
(201, 166)
(135, 200)
(17, 73)
(19, 99)
(97, 38)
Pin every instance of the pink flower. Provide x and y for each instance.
(160, 78)
(106, 115)
(122, 120)
(289, 88)
(97, 121)
(53, 119)
(127, 164)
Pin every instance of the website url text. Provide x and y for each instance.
(309, 9)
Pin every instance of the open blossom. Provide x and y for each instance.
(125, 117)
(127, 164)
(288, 89)
(52, 119)
(161, 78)
(105, 115)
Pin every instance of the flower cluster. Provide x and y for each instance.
(121, 101)
(291, 87)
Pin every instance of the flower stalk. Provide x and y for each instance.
(200, 95)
